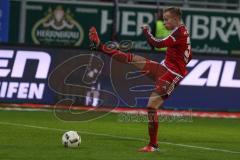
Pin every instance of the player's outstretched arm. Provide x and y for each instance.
(159, 43)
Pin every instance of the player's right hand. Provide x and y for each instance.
(145, 28)
(93, 36)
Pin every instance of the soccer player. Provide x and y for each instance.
(166, 74)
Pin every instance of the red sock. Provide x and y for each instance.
(117, 54)
(153, 126)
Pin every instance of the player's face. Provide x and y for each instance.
(170, 20)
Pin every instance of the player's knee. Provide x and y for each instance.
(155, 101)
(138, 61)
(151, 107)
(155, 104)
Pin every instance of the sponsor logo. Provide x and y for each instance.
(213, 27)
(212, 73)
(16, 80)
(58, 27)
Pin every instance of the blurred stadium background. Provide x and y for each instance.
(45, 60)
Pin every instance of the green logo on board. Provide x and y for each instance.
(58, 27)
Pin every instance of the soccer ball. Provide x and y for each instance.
(71, 139)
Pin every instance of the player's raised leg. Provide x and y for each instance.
(118, 55)
(154, 102)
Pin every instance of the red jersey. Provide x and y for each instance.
(178, 52)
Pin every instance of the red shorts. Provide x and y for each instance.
(165, 80)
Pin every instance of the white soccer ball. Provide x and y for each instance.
(71, 139)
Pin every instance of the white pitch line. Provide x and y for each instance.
(120, 137)
(203, 148)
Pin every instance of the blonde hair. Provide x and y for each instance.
(174, 10)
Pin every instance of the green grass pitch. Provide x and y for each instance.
(36, 135)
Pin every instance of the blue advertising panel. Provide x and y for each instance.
(24, 75)
(48, 75)
(4, 20)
